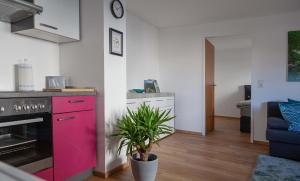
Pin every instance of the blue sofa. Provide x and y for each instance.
(283, 143)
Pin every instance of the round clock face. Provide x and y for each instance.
(117, 9)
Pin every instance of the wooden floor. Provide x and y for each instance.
(225, 154)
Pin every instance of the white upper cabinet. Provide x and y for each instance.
(59, 22)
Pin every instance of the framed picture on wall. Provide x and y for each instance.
(115, 42)
(294, 56)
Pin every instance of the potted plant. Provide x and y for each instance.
(139, 131)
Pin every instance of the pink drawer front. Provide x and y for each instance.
(73, 103)
(45, 174)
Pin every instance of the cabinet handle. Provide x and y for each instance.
(75, 101)
(48, 26)
(159, 100)
(66, 119)
(131, 103)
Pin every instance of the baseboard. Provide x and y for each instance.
(112, 171)
(188, 132)
(226, 117)
(265, 143)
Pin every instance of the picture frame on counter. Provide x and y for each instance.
(115, 42)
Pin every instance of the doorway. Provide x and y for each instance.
(227, 74)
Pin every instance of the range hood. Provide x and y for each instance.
(15, 10)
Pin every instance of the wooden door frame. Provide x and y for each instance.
(203, 109)
(203, 88)
(209, 85)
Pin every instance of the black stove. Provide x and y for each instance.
(26, 132)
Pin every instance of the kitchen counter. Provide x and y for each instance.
(149, 95)
(9, 94)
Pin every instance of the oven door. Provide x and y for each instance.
(26, 141)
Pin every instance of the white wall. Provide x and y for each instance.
(142, 52)
(184, 47)
(115, 89)
(44, 56)
(181, 72)
(232, 72)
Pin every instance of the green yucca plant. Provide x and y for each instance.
(140, 130)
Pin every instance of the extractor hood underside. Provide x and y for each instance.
(15, 10)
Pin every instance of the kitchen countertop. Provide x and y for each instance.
(149, 95)
(10, 94)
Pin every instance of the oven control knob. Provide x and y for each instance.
(2, 109)
(24, 107)
(27, 107)
(41, 106)
(32, 107)
(36, 107)
(17, 108)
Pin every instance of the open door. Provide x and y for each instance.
(209, 86)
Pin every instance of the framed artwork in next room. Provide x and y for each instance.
(115, 42)
(294, 56)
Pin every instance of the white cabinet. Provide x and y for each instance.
(133, 104)
(163, 103)
(59, 22)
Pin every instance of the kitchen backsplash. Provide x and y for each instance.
(44, 57)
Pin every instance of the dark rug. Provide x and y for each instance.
(270, 168)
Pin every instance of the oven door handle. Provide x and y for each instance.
(19, 122)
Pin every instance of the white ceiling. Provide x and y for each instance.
(169, 13)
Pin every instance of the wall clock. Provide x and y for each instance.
(117, 9)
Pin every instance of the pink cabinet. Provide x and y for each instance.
(73, 103)
(74, 138)
(45, 174)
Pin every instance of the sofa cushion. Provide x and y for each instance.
(293, 101)
(277, 123)
(283, 136)
(273, 110)
(291, 113)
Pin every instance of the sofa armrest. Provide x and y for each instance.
(277, 123)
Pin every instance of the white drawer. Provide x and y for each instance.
(163, 102)
(157, 102)
(133, 104)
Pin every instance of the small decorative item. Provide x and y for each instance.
(117, 9)
(55, 82)
(151, 86)
(115, 42)
(294, 56)
(136, 91)
(24, 76)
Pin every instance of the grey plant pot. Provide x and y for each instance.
(144, 171)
